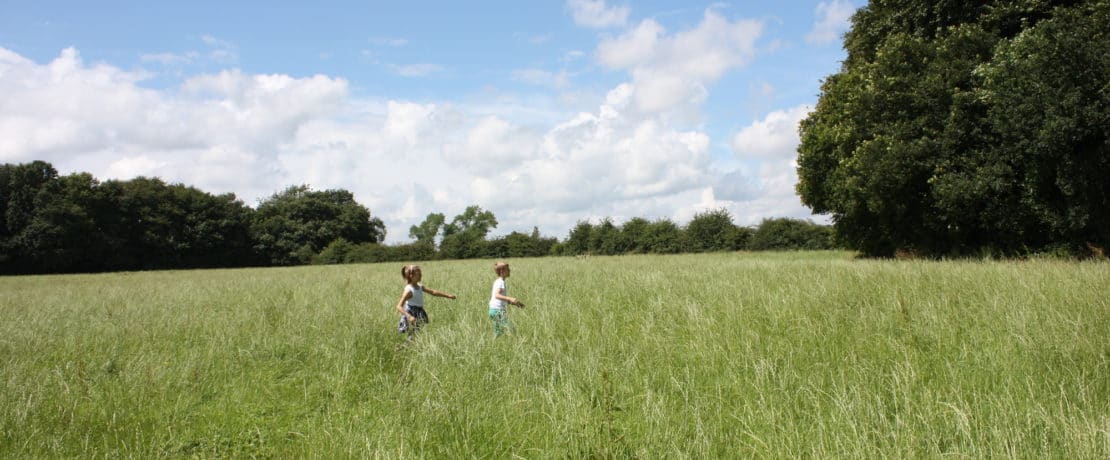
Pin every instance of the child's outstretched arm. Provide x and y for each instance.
(512, 300)
(439, 293)
(401, 306)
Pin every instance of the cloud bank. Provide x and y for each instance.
(634, 154)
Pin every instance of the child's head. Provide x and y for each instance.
(501, 269)
(411, 273)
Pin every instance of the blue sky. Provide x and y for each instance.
(546, 114)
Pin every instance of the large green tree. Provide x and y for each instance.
(428, 230)
(297, 223)
(75, 223)
(955, 127)
(464, 236)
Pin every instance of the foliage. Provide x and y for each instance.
(75, 223)
(518, 244)
(374, 252)
(955, 126)
(712, 231)
(292, 225)
(783, 233)
(664, 237)
(428, 230)
(578, 241)
(335, 252)
(464, 237)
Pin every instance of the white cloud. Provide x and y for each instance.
(257, 134)
(668, 71)
(542, 77)
(414, 70)
(775, 136)
(222, 51)
(596, 14)
(832, 20)
(764, 186)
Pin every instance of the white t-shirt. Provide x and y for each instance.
(499, 286)
(417, 299)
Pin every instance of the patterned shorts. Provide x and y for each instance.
(421, 318)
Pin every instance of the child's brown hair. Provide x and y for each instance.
(406, 271)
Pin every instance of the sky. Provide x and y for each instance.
(546, 113)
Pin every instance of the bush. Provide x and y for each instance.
(334, 253)
(784, 233)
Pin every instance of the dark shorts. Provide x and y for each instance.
(421, 318)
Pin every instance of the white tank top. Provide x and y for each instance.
(417, 299)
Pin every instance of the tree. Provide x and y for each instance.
(20, 186)
(473, 222)
(148, 224)
(295, 224)
(664, 237)
(711, 231)
(927, 139)
(578, 241)
(428, 230)
(63, 234)
(605, 238)
(1048, 99)
(633, 235)
(785, 233)
(465, 234)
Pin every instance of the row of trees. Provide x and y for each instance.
(958, 128)
(465, 237)
(52, 224)
(75, 223)
(708, 231)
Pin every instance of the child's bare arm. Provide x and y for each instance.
(401, 305)
(438, 293)
(512, 301)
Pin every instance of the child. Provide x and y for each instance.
(498, 298)
(411, 305)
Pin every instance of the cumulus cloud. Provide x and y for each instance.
(99, 119)
(596, 14)
(832, 20)
(601, 157)
(254, 135)
(673, 70)
(764, 186)
(775, 136)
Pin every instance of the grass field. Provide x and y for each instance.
(755, 354)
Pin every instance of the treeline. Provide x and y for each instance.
(465, 238)
(75, 223)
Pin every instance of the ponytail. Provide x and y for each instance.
(406, 271)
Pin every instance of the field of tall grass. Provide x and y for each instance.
(805, 354)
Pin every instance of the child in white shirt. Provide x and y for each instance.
(499, 296)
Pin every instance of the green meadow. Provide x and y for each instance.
(799, 354)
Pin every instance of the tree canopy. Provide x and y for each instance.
(957, 127)
(297, 223)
